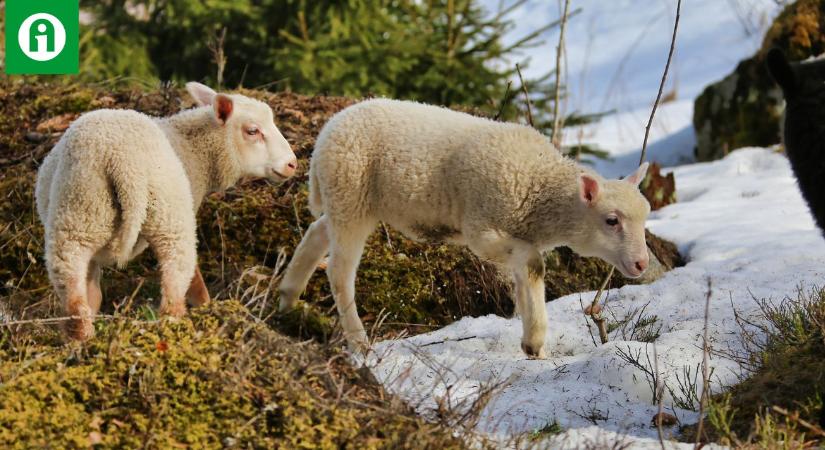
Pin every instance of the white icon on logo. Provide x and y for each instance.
(41, 37)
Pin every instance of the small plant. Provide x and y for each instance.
(550, 429)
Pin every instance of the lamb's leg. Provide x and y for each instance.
(346, 248)
(529, 286)
(526, 265)
(68, 264)
(305, 260)
(177, 256)
(197, 294)
(93, 292)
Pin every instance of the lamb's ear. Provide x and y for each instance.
(639, 175)
(223, 107)
(588, 189)
(781, 70)
(203, 95)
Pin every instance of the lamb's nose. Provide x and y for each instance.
(290, 168)
(641, 265)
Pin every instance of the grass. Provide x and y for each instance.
(780, 404)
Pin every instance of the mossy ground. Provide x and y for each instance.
(217, 375)
(414, 287)
(217, 378)
(787, 370)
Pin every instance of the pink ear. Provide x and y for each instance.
(637, 176)
(588, 189)
(223, 107)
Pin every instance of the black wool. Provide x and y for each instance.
(803, 85)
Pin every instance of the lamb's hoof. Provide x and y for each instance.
(286, 302)
(79, 329)
(176, 310)
(533, 352)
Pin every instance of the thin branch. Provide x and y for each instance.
(526, 96)
(703, 400)
(556, 137)
(595, 310)
(503, 101)
(662, 84)
(652, 113)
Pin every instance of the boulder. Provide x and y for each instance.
(745, 108)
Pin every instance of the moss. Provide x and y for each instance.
(216, 378)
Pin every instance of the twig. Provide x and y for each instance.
(795, 417)
(448, 340)
(595, 310)
(662, 83)
(556, 137)
(652, 114)
(503, 101)
(660, 390)
(52, 320)
(705, 381)
(526, 97)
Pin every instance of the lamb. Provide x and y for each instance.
(803, 85)
(501, 189)
(119, 181)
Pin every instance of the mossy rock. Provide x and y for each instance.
(217, 378)
(745, 108)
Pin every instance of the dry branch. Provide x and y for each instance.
(556, 137)
(649, 124)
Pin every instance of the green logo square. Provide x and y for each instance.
(42, 36)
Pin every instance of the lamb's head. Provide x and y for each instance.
(260, 148)
(613, 221)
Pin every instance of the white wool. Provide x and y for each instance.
(438, 175)
(119, 181)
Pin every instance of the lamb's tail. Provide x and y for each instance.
(316, 206)
(132, 193)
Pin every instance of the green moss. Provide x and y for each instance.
(216, 378)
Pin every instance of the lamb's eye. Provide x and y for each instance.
(252, 131)
(612, 221)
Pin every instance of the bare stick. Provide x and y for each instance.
(662, 84)
(659, 394)
(526, 97)
(556, 137)
(595, 310)
(705, 378)
(650, 120)
(503, 101)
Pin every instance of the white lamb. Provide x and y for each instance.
(439, 175)
(119, 181)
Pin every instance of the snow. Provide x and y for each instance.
(616, 50)
(740, 221)
(742, 224)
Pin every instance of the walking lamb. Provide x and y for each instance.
(804, 87)
(439, 175)
(119, 181)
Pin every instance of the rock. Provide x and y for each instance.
(666, 419)
(745, 108)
